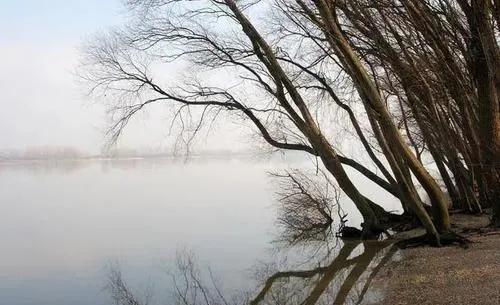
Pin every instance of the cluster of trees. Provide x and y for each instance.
(417, 81)
(43, 153)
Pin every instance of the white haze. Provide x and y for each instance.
(42, 103)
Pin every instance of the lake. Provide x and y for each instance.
(64, 225)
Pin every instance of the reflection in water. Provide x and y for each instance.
(44, 166)
(62, 222)
(331, 272)
(67, 166)
(310, 267)
(344, 278)
(329, 284)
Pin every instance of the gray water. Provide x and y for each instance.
(63, 224)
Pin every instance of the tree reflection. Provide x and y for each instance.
(326, 270)
(343, 278)
(333, 283)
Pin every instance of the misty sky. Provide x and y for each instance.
(41, 100)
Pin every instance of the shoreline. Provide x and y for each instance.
(448, 275)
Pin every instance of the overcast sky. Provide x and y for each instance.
(41, 101)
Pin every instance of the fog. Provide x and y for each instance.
(66, 220)
(44, 104)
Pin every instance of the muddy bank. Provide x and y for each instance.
(450, 275)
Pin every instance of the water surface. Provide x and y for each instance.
(63, 224)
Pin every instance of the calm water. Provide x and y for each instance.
(62, 225)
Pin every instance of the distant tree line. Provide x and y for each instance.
(47, 152)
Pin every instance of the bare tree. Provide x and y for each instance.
(178, 30)
(285, 74)
(306, 206)
(120, 292)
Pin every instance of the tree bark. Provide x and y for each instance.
(368, 88)
(486, 62)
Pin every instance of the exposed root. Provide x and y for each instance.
(404, 226)
(445, 239)
(452, 238)
(484, 231)
(404, 223)
(351, 233)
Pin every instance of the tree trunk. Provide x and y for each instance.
(368, 88)
(371, 225)
(486, 62)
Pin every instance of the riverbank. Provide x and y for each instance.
(450, 275)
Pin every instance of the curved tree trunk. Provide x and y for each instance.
(371, 224)
(486, 61)
(306, 123)
(368, 88)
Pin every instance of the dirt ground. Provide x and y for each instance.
(450, 275)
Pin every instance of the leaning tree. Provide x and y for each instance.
(286, 67)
